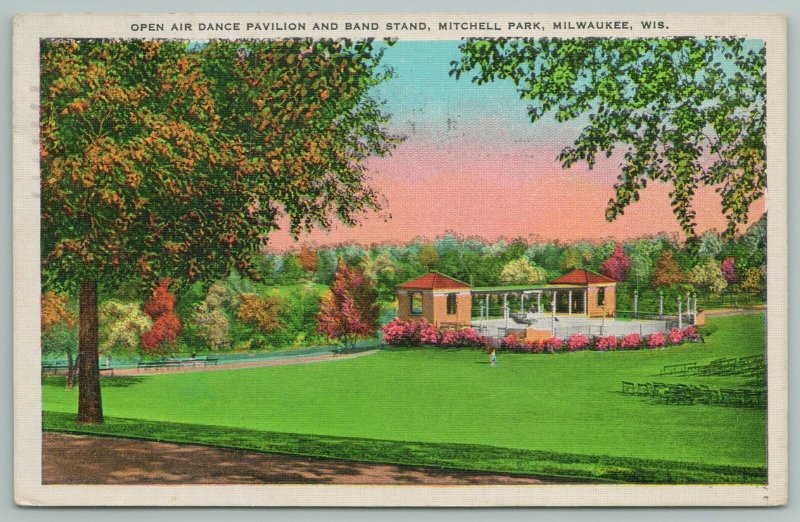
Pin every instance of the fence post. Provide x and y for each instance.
(661, 304)
(694, 310)
(680, 315)
(688, 307)
(636, 304)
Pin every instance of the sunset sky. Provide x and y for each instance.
(473, 164)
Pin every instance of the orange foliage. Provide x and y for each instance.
(54, 311)
(307, 259)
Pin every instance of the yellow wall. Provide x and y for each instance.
(609, 303)
(434, 307)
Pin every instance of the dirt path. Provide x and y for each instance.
(79, 459)
(237, 366)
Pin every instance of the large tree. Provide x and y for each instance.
(684, 111)
(165, 159)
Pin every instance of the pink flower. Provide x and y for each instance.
(606, 343)
(691, 333)
(553, 344)
(631, 342)
(578, 342)
(675, 336)
(656, 340)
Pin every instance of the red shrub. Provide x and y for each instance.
(166, 323)
(675, 336)
(463, 337)
(606, 343)
(553, 344)
(656, 340)
(631, 342)
(578, 342)
(691, 333)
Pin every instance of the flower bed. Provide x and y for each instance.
(580, 342)
(423, 333)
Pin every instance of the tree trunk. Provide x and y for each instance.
(70, 371)
(90, 408)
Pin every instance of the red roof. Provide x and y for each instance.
(432, 281)
(582, 277)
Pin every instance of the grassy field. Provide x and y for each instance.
(560, 414)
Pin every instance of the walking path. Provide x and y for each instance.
(237, 366)
(80, 459)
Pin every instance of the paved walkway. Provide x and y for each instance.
(80, 459)
(237, 366)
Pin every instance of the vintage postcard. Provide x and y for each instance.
(400, 260)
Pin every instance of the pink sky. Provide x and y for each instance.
(511, 192)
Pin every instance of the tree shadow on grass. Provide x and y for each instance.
(120, 382)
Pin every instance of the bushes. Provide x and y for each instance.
(423, 333)
(580, 342)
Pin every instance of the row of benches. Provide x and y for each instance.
(691, 394)
(725, 366)
(178, 363)
(63, 369)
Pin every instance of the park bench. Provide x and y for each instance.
(628, 388)
(211, 360)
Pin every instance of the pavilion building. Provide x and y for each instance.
(444, 301)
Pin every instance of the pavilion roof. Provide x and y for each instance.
(433, 281)
(581, 276)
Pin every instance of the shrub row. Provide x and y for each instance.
(418, 333)
(580, 342)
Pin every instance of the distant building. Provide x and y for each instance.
(442, 300)
(437, 298)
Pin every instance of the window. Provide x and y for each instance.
(601, 296)
(452, 304)
(416, 303)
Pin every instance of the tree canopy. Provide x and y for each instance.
(684, 111)
(162, 159)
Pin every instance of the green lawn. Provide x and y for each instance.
(556, 414)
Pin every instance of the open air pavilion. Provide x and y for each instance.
(578, 302)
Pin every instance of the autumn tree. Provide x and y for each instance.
(122, 326)
(728, 269)
(307, 258)
(260, 313)
(351, 310)
(684, 111)
(617, 265)
(211, 323)
(574, 258)
(166, 324)
(666, 271)
(522, 272)
(428, 256)
(753, 281)
(58, 331)
(707, 276)
(169, 159)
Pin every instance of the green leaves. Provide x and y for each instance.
(164, 161)
(685, 111)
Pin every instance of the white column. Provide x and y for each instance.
(688, 307)
(505, 306)
(569, 306)
(555, 295)
(487, 307)
(694, 310)
(539, 303)
(680, 315)
(660, 304)
(521, 303)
